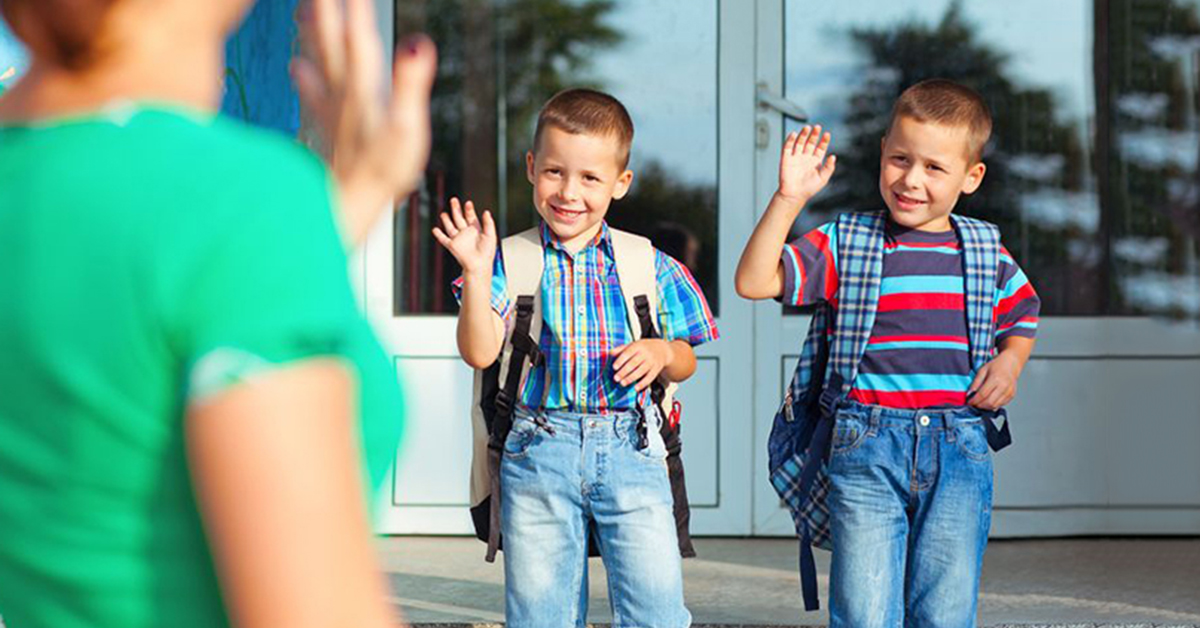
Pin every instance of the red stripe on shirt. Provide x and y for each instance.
(921, 301)
(1022, 293)
(821, 241)
(881, 339)
(910, 399)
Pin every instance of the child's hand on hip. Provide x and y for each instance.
(804, 168)
(641, 362)
(996, 383)
(470, 240)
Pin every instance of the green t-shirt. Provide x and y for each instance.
(148, 256)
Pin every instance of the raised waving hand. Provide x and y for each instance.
(804, 166)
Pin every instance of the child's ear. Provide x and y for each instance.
(974, 177)
(622, 187)
(529, 167)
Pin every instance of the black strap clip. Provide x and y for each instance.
(504, 403)
(831, 396)
(998, 438)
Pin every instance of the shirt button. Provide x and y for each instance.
(924, 421)
(580, 309)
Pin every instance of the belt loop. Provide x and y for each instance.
(876, 412)
(948, 420)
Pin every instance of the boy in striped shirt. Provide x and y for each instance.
(573, 465)
(910, 498)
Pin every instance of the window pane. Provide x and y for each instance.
(1030, 59)
(501, 60)
(1152, 189)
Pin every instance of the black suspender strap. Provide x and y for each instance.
(523, 347)
(670, 436)
(641, 306)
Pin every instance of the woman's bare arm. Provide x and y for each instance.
(277, 471)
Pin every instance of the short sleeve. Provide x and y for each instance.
(683, 312)
(1017, 303)
(810, 267)
(258, 277)
(499, 298)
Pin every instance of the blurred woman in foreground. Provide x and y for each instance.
(189, 393)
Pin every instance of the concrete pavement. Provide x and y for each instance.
(753, 582)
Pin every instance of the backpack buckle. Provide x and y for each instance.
(829, 401)
(831, 396)
(523, 344)
(504, 403)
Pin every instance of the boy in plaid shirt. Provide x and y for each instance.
(572, 465)
(909, 470)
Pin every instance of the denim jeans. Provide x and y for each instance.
(565, 476)
(911, 504)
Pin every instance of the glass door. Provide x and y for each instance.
(1092, 177)
(679, 67)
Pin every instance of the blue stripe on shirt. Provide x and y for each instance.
(923, 284)
(911, 382)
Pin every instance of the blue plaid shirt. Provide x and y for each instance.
(585, 319)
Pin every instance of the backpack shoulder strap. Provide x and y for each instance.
(524, 263)
(981, 263)
(859, 270)
(638, 275)
(634, 256)
(981, 266)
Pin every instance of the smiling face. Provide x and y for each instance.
(923, 169)
(575, 177)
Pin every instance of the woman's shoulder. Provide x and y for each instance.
(229, 147)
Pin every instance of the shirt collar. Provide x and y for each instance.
(603, 239)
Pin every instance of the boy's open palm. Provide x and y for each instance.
(804, 168)
(471, 240)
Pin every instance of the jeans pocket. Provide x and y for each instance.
(971, 438)
(849, 431)
(520, 438)
(655, 449)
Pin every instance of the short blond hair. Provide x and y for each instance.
(946, 102)
(587, 111)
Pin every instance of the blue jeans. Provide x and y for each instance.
(580, 474)
(910, 504)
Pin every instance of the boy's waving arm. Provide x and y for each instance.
(804, 170)
(472, 241)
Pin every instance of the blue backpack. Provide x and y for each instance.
(798, 447)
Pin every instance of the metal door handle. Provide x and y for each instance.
(789, 109)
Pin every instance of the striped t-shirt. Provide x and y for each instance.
(918, 354)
